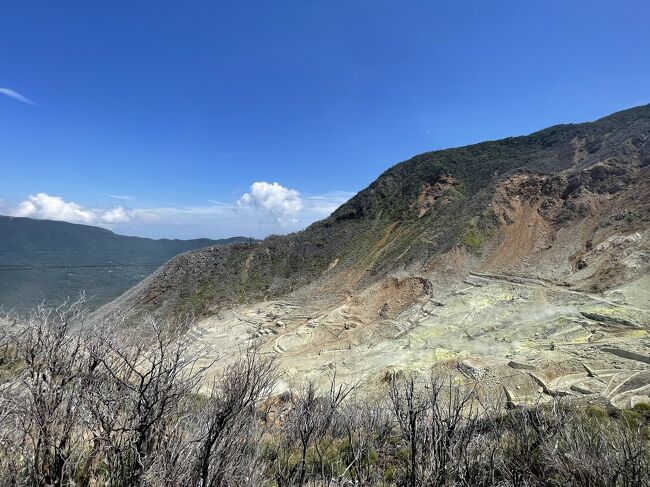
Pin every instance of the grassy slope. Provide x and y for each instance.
(379, 229)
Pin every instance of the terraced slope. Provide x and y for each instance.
(511, 263)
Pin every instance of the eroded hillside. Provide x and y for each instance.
(513, 263)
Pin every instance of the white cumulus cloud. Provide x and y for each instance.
(267, 208)
(47, 207)
(118, 214)
(283, 204)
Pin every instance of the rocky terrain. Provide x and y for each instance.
(521, 265)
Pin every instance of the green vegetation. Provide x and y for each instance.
(43, 260)
(473, 240)
(382, 228)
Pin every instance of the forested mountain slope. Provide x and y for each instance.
(50, 260)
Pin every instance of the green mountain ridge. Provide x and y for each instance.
(411, 215)
(45, 260)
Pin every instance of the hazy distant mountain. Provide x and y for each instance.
(50, 260)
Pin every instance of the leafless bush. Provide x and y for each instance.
(42, 405)
(367, 426)
(228, 424)
(560, 445)
(306, 426)
(100, 405)
(114, 405)
(439, 424)
(134, 393)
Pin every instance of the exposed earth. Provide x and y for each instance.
(520, 265)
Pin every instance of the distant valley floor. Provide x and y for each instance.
(49, 261)
(23, 288)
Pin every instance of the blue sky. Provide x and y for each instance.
(178, 108)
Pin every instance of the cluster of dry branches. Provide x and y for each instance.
(107, 406)
(104, 406)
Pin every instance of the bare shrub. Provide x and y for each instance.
(134, 394)
(228, 424)
(367, 427)
(41, 406)
(299, 449)
(114, 405)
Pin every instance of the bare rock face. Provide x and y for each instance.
(495, 264)
(471, 369)
(520, 365)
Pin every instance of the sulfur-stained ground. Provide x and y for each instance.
(530, 337)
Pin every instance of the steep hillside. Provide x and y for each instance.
(50, 260)
(510, 263)
(418, 211)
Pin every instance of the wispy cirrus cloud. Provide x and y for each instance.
(16, 96)
(123, 197)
